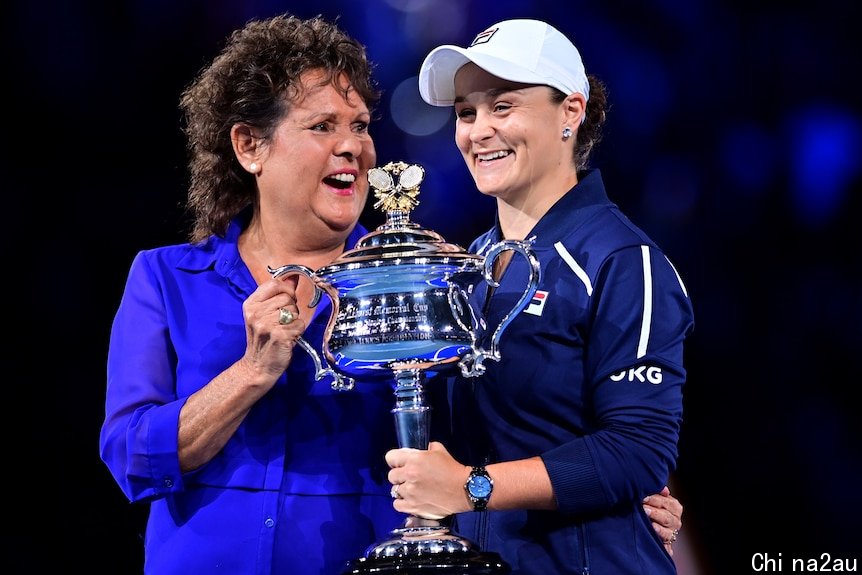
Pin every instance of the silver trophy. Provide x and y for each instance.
(401, 309)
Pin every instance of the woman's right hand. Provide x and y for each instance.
(270, 343)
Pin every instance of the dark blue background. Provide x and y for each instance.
(734, 139)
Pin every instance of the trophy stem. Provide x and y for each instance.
(421, 546)
(412, 425)
(412, 416)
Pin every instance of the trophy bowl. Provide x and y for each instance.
(402, 309)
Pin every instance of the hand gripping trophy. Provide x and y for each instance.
(401, 309)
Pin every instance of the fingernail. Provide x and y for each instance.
(648, 511)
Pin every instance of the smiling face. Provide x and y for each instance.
(510, 135)
(315, 167)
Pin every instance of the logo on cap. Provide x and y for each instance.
(483, 37)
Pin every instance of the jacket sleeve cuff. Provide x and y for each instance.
(576, 482)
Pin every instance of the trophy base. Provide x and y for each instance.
(426, 550)
(474, 563)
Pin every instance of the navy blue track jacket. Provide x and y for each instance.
(591, 380)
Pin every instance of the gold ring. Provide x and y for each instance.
(285, 316)
(394, 491)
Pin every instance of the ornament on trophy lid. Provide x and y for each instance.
(400, 197)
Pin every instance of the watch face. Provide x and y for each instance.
(479, 486)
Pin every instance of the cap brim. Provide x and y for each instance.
(437, 74)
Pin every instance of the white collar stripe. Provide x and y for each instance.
(647, 317)
(579, 271)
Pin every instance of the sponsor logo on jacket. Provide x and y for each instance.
(640, 374)
(537, 304)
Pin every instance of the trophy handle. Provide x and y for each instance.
(339, 382)
(472, 365)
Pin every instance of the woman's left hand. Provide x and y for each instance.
(427, 483)
(665, 512)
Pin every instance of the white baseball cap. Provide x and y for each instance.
(522, 50)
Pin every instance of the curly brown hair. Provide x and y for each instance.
(252, 81)
(590, 132)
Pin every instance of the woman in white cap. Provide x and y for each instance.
(561, 440)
